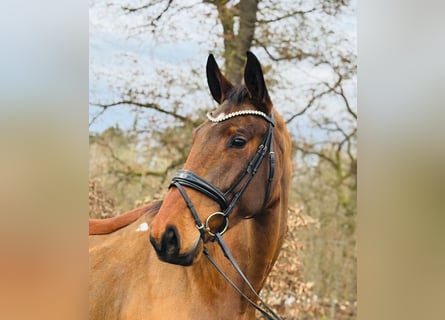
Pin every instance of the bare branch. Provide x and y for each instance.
(130, 172)
(319, 154)
(288, 15)
(300, 55)
(164, 11)
(97, 115)
(341, 93)
(319, 95)
(310, 103)
(336, 128)
(147, 105)
(112, 154)
(134, 173)
(153, 21)
(142, 28)
(135, 9)
(348, 107)
(145, 6)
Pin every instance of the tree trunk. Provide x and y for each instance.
(236, 45)
(247, 19)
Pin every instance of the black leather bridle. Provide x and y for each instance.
(189, 179)
(228, 199)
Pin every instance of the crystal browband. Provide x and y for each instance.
(222, 117)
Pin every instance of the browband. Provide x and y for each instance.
(222, 116)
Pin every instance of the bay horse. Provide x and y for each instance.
(222, 221)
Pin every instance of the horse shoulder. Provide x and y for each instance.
(117, 261)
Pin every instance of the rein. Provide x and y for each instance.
(189, 179)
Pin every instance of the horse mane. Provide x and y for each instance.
(105, 226)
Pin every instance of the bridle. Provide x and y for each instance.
(227, 200)
(190, 179)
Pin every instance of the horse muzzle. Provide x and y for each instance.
(168, 249)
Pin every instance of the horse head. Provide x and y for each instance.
(230, 173)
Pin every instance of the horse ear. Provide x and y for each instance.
(218, 84)
(254, 80)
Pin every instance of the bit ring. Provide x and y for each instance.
(226, 223)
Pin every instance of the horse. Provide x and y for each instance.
(206, 249)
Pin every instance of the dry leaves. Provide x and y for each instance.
(287, 292)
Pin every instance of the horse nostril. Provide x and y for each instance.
(170, 241)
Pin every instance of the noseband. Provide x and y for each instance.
(189, 179)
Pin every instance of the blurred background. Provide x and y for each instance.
(148, 90)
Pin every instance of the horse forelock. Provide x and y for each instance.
(238, 98)
(238, 95)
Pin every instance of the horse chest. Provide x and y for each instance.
(175, 294)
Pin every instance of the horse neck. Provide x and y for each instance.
(265, 239)
(255, 244)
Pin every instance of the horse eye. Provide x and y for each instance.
(237, 142)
